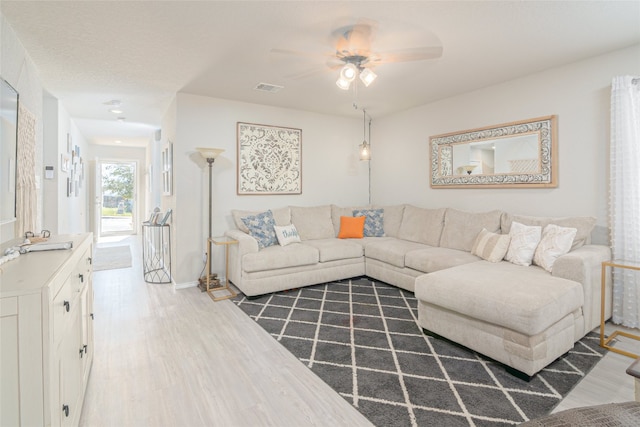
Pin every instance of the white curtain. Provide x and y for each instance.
(625, 197)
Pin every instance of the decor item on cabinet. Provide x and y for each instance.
(269, 159)
(167, 169)
(167, 215)
(8, 151)
(365, 148)
(516, 154)
(210, 155)
(31, 237)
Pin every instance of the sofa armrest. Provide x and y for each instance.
(246, 244)
(584, 265)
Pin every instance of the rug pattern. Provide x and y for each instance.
(361, 337)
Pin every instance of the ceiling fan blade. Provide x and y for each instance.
(406, 55)
(355, 39)
(306, 73)
(301, 53)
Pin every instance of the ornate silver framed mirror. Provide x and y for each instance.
(516, 154)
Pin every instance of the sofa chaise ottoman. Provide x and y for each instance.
(519, 316)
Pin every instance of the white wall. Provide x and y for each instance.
(331, 171)
(578, 93)
(62, 214)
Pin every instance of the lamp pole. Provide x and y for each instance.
(209, 154)
(210, 161)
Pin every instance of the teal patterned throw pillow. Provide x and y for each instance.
(261, 228)
(374, 222)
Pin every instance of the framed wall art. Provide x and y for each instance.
(269, 160)
(167, 169)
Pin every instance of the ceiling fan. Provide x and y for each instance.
(355, 55)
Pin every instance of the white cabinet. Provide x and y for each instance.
(46, 335)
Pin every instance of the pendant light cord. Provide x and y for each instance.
(369, 162)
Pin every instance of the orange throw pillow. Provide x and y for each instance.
(351, 227)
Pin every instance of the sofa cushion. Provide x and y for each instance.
(351, 227)
(524, 299)
(313, 222)
(523, 244)
(374, 223)
(584, 225)
(392, 251)
(461, 228)
(421, 225)
(556, 241)
(335, 249)
(261, 228)
(433, 259)
(491, 247)
(287, 234)
(338, 211)
(392, 219)
(282, 216)
(275, 257)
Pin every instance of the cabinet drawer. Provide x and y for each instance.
(63, 306)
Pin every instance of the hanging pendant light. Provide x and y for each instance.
(365, 148)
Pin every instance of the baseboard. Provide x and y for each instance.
(186, 285)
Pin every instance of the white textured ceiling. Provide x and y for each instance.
(143, 52)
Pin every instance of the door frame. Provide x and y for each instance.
(135, 212)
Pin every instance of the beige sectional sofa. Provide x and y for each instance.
(522, 316)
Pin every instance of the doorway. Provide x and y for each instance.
(118, 197)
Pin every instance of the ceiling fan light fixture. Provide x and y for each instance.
(367, 76)
(349, 72)
(343, 84)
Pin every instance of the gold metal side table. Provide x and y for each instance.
(604, 342)
(226, 242)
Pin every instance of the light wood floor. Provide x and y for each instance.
(176, 358)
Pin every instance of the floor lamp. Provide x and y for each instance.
(209, 154)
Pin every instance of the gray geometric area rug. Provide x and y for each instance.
(111, 257)
(362, 338)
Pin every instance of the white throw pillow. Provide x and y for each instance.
(556, 241)
(524, 240)
(490, 246)
(287, 234)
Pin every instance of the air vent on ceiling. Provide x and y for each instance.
(267, 87)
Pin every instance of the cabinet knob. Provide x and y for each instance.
(89, 260)
(66, 305)
(65, 409)
(91, 316)
(81, 276)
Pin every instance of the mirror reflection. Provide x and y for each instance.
(517, 154)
